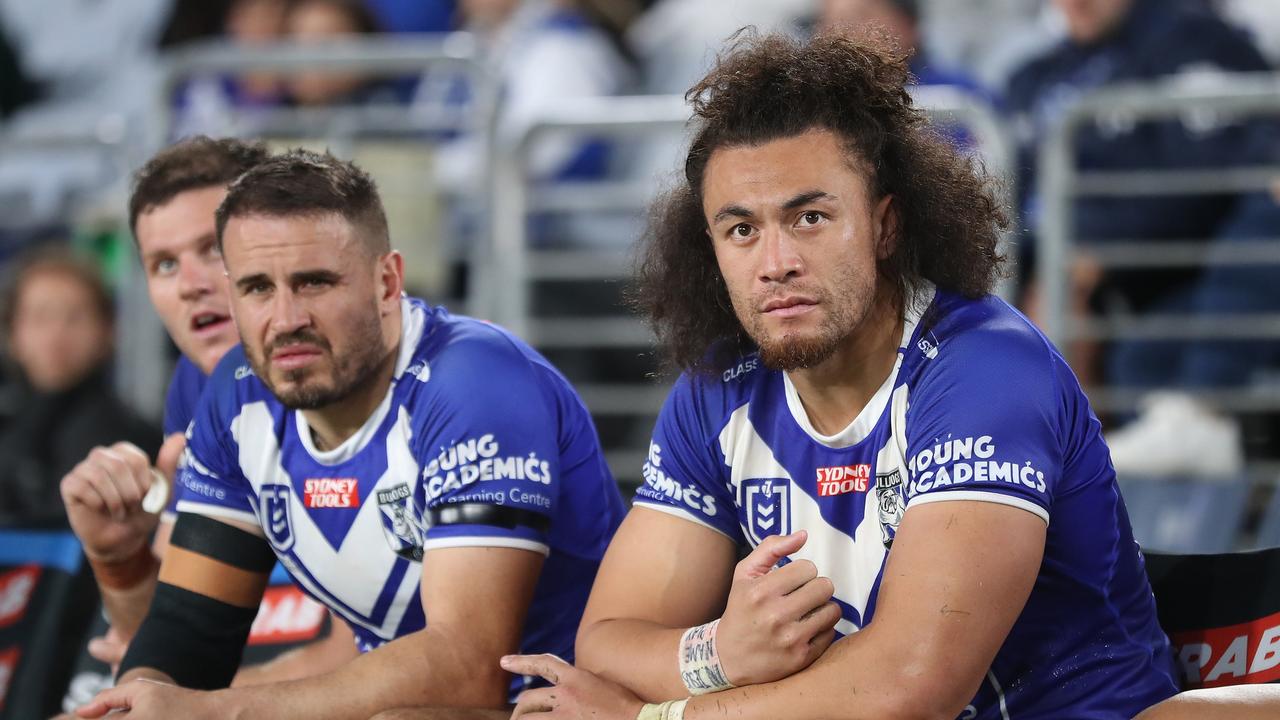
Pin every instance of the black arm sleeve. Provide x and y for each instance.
(193, 638)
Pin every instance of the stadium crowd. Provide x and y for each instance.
(818, 266)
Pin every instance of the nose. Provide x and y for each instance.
(780, 257)
(288, 314)
(195, 280)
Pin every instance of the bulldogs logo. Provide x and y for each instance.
(274, 508)
(399, 522)
(890, 505)
(765, 501)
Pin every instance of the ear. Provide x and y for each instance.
(885, 221)
(390, 281)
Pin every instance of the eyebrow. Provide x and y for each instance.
(798, 200)
(298, 278)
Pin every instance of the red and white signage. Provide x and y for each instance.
(1238, 654)
(16, 587)
(8, 666)
(843, 479)
(286, 615)
(330, 493)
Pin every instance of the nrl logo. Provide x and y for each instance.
(273, 506)
(765, 502)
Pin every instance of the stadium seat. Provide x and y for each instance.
(1222, 613)
(1269, 530)
(1185, 515)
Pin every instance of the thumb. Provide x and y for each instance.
(768, 553)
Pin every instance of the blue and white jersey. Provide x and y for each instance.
(184, 393)
(979, 406)
(185, 387)
(479, 442)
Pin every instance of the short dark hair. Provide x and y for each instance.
(192, 164)
(301, 183)
(765, 88)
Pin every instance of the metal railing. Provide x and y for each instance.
(1062, 183)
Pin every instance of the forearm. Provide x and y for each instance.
(314, 658)
(637, 654)
(432, 667)
(126, 608)
(858, 677)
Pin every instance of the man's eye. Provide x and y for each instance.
(164, 267)
(812, 217)
(741, 230)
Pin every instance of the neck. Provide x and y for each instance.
(836, 390)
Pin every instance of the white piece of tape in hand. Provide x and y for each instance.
(700, 667)
(157, 496)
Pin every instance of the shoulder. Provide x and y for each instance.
(705, 400)
(1189, 34)
(1027, 79)
(233, 383)
(981, 344)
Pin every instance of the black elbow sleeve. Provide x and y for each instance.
(192, 638)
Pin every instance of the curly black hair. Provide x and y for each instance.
(771, 87)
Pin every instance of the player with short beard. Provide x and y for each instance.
(430, 478)
(912, 465)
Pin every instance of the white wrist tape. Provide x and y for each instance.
(700, 667)
(669, 710)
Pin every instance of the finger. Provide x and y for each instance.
(533, 702)
(107, 650)
(807, 598)
(767, 554)
(135, 471)
(821, 620)
(547, 666)
(819, 645)
(170, 454)
(106, 701)
(110, 476)
(789, 578)
(77, 489)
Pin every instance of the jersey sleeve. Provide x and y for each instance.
(210, 481)
(183, 395)
(683, 473)
(983, 423)
(487, 439)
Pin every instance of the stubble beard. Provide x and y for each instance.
(797, 350)
(350, 372)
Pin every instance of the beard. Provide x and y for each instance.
(801, 349)
(305, 389)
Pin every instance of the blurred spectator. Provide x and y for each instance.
(542, 52)
(58, 322)
(901, 19)
(323, 21)
(205, 104)
(414, 16)
(1120, 41)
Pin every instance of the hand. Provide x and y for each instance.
(777, 620)
(577, 695)
(146, 699)
(109, 648)
(103, 495)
